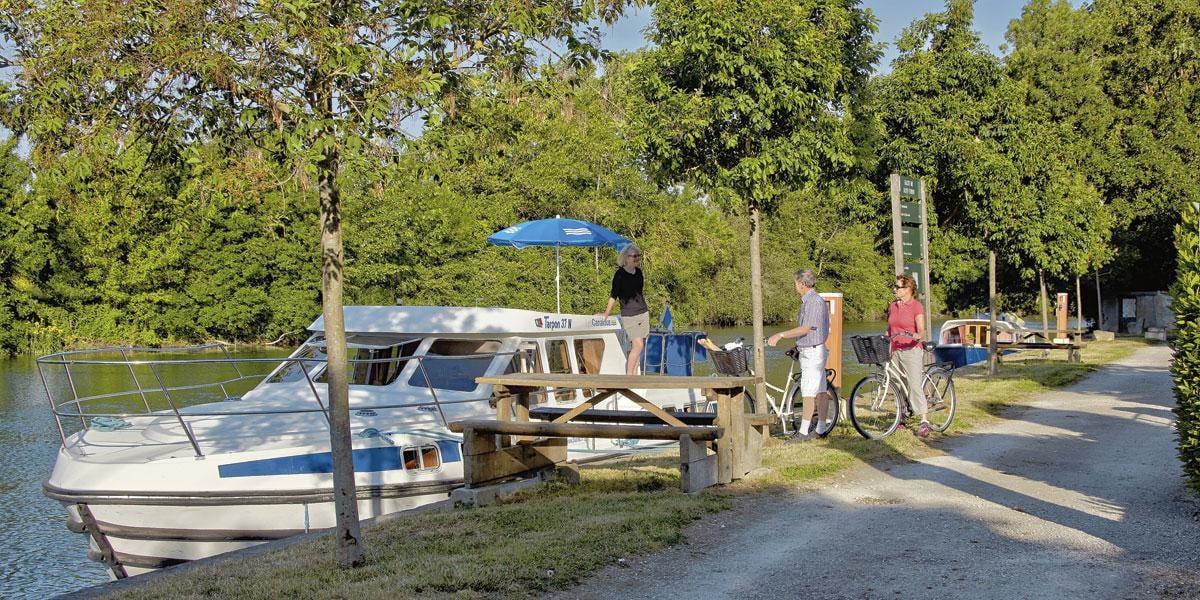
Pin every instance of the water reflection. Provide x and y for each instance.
(41, 557)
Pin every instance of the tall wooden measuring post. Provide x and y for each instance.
(910, 231)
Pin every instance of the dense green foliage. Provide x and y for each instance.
(1186, 366)
(1072, 153)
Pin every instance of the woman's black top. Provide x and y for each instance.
(627, 289)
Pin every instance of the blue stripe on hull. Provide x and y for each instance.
(365, 460)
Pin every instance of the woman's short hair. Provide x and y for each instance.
(807, 277)
(907, 281)
(629, 249)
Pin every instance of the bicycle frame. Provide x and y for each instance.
(890, 369)
(782, 406)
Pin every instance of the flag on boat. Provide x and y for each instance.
(667, 322)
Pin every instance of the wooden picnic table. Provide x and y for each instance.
(738, 445)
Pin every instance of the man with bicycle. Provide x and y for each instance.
(811, 331)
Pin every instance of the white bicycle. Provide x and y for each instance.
(735, 359)
(879, 403)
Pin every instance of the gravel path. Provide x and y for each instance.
(1077, 495)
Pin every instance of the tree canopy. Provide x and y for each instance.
(167, 186)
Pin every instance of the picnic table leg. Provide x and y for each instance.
(725, 412)
(521, 412)
(697, 468)
(504, 412)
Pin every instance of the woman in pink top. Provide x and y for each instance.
(906, 329)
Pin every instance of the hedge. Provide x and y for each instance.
(1186, 367)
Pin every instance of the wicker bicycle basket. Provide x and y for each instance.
(732, 362)
(871, 349)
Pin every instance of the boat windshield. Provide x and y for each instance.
(377, 365)
(454, 364)
(294, 370)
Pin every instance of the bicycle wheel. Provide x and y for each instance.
(939, 392)
(833, 413)
(874, 408)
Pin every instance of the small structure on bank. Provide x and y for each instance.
(1136, 312)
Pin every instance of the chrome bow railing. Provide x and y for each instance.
(237, 374)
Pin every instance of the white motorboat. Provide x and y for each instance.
(965, 341)
(160, 466)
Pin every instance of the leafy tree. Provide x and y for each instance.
(308, 80)
(23, 257)
(1004, 179)
(747, 99)
(1149, 54)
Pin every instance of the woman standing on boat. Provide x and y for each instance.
(627, 285)
(906, 329)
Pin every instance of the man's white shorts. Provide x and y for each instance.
(812, 370)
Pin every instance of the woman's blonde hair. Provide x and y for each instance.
(629, 249)
(907, 281)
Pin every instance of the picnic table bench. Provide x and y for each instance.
(1074, 348)
(527, 440)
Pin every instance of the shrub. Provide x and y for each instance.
(1186, 366)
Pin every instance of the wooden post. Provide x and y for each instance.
(834, 301)
(1061, 310)
(760, 359)
(897, 245)
(725, 410)
(928, 291)
(992, 366)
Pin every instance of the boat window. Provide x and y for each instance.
(377, 366)
(557, 357)
(293, 371)
(430, 458)
(588, 354)
(411, 459)
(449, 372)
(526, 360)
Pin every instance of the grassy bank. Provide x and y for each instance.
(559, 534)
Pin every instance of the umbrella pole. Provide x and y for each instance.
(557, 288)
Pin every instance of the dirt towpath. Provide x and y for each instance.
(1078, 495)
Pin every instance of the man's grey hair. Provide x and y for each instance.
(630, 248)
(807, 277)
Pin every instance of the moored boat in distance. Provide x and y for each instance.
(180, 454)
(965, 341)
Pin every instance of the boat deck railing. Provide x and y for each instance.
(241, 375)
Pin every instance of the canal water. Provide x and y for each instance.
(41, 558)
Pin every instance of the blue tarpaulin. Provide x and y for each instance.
(670, 353)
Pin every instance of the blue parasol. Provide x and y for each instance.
(556, 232)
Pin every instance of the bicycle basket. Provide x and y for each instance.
(731, 362)
(871, 349)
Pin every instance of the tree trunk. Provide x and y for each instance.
(1045, 308)
(992, 363)
(1099, 304)
(760, 359)
(349, 547)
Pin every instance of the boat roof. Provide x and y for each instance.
(449, 320)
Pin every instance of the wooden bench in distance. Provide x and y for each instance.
(485, 462)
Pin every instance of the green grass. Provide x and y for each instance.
(555, 536)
